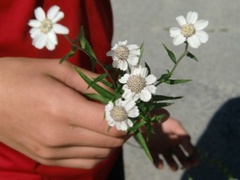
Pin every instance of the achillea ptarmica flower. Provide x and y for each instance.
(118, 113)
(138, 84)
(45, 27)
(123, 54)
(191, 30)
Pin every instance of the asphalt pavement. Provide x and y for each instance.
(210, 109)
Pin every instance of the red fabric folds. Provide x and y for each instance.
(96, 18)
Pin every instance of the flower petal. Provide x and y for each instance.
(50, 45)
(58, 17)
(151, 89)
(34, 32)
(110, 53)
(134, 112)
(127, 93)
(115, 64)
(181, 20)
(135, 52)
(193, 41)
(179, 40)
(34, 23)
(124, 78)
(128, 104)
(40, 41)
(129, 123)
(132, 46)
(122, 43)
(175, 32)
(202, 36)
(145, 95)
(52, 12)
(39, 14)
(192, 17)
(52, 37)
(200, 25)
(123, 65)
(132, 60)
(60, 29)
(112, 123)
(150, 79)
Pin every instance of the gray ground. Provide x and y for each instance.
(210, 109)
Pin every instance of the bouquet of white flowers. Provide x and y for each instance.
(132, 100)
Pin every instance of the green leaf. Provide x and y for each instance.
(191, 56)
(158, 118)
(170, 54)
(136, 126)
(148, 68)
(68, 55)
(97, 79)
(164, 77)
(107, 83)
(141, 53)
(83, 40)
(177, 81)
(163, 98)
(96, 87)
(164, 104)
(97, 97)
(139, 137)
(87, 48)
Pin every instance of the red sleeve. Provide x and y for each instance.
(96, 18)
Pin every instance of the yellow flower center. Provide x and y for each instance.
(136, 83)
(118, 113)
(46, 26)
(122, 53)
(188, 30)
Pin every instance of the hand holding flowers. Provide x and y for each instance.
(132, 101)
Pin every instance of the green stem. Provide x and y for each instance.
(177, 62)
(74, 46)
(180, 58)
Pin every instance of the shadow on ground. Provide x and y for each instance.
(220, 143)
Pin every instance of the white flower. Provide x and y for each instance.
(45, 27)
(138, 84)
(118, 114)
(123, 54)
(191, 30)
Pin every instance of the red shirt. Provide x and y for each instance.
(96, 18)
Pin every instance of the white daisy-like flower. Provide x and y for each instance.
(138, 84)
(118, 113)
(191, 30)
(45, 27)
(123, 54)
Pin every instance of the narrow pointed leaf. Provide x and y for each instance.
(148, 68)
(97, 79)
(141, 53)
(164, 104)
(85, 45)
(170, 54)
(164, 77)
(163, 98)
(158, 118)
(190, 55)
(68, 55)
(137, 126)
(96, 87)
(177, 81)
(107, 83)
(97, 97)
(139, 137)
